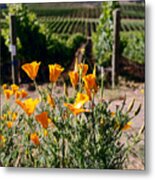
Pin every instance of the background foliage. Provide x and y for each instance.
(131, 41)
(103, 38)
(34, 40)
(134, 47)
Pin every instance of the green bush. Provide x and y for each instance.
(75, 41)
(5, 62)
(31, 39)
(35, 42)
(57, 51)
(5, 55)
(134, 49)
(61, 48)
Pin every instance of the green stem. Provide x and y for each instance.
(50, 88)
(52, 85)
(93, 121)
(63, 144)
(102, 85)
(63, 152)
(29, 120)
(37, 88)
(80, 80)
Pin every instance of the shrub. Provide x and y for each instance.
(34, 41)
(62, 48)
(31, 41)
(75, 41)
(75, 131)
(5, 62)
(57, 51)
(135, 48)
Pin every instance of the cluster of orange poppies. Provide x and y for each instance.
(55, 70)
(29, 105)
(76, 75)
(79, 72)
(78, 78)
(31, 70)
(14, 90)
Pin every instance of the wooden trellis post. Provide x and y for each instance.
(14, 65)
(116, 47)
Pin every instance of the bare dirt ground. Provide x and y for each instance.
(117, 95)
(136, 160)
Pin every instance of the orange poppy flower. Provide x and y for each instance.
(90, 81)
(34, 138)
(9, 124)
(14, 88)
(74, 109)
(45, 132)
(113, 114)
(80, 100)
(23, 93)
(4, 86)
(83, 68)
(90, 84)
(2, 140)
(28, 105)
(127, 126)
(54, 72)
(4, 117)
(17, 94)
(74, 78)
(51, 101)
(31, 69)
(8, 93)
(14, 116)
(88, 91)
(43, 119)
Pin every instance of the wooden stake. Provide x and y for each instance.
(116, 50)
(14, 65)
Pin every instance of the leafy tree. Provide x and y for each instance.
(31, 39)
(103, 38)
(35, 42)
(4, 57)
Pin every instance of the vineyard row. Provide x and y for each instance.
(84, 26)
(127, 11)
